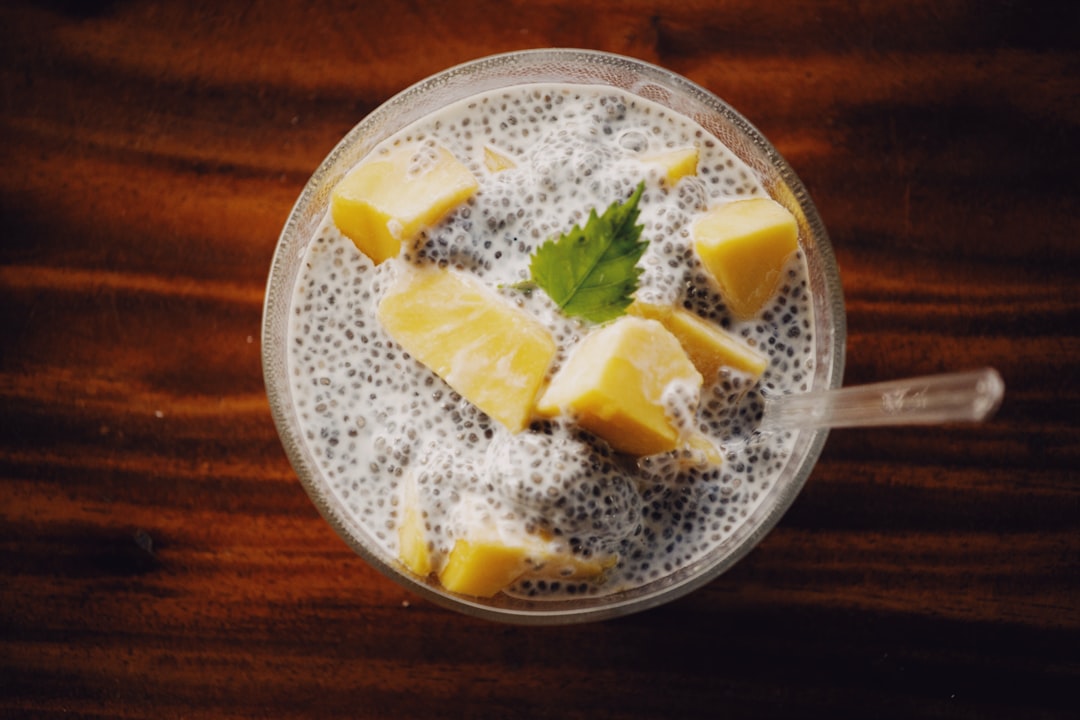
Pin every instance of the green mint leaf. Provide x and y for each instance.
(592, 273)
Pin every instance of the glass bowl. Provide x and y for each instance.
(580, 67)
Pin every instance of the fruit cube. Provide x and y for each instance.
(485, 564)
(412, 542)
(744, 245)
(412, 536)
(707, 450)
(491, 352)
(496, 161)
(388, 199)
(708, 346)
(614, 384)
(482, 567)
(676, 164)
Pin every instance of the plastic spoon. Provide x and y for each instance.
(934, 399)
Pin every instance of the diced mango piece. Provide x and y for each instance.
(388, 199)
(744, 245)
(482, 568)
(710, 452)
(614, 383)
(484, 565)
(709, 346)
(496, 161)
(412, 537)
(676, 164)
(412, 542)
(491, 352)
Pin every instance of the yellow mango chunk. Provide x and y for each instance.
(412, 543)
(708, 346)
(676, 164)
(491, 352)
(482, 568)
(388, 199)
(709, 451)
(412, 537)
(496, 161)
(744, 245)
(614, 384)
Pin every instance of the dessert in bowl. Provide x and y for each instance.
(519, 330)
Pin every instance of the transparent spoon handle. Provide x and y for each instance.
(953, 397)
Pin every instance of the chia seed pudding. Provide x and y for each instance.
(377, 421)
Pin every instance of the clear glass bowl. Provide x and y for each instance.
(563, 66)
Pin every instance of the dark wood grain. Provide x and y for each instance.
(158, 557)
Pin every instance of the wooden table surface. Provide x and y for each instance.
(158, 556)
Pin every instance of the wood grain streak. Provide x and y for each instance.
(158, 556)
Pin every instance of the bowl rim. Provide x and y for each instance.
(277, 304)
